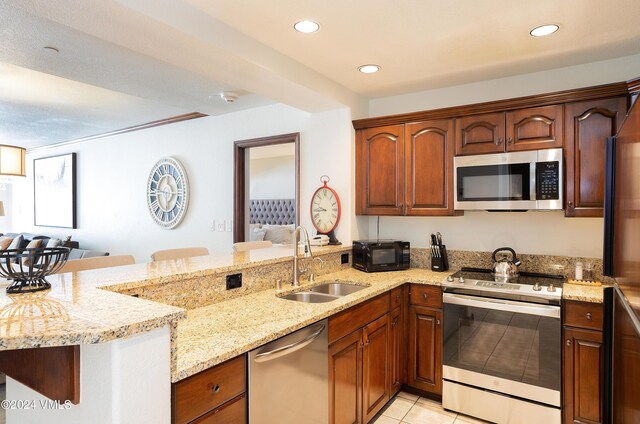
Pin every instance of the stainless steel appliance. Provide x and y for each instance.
(381, 255)
(288, 378)
(509, 181)
(501, 350)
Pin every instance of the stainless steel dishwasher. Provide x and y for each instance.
(288, 378)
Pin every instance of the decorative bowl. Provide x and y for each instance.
(27, 268)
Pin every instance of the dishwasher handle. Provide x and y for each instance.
(290, 348)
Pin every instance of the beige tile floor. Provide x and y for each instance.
(406, 408)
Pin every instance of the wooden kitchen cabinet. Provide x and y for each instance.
(428, 166)
(479, 134)
(424, 317)
(517, 130)
(397, 340)
(425, 349)
(380, 171)
(215, 395)
(375, 367)
(582, 363)
(405, 169)
(588, 125)
(345, 380)
(359, 362)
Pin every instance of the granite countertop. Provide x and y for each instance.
(84, 307)
(213, 334)
(593, 294)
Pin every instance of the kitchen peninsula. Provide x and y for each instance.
(136, 338)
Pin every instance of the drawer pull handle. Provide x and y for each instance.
(589, 316)
(216, 388)
(568, 342)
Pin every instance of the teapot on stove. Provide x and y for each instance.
(505, 268)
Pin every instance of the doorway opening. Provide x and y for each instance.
(283, 206)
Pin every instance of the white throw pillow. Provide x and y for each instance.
(278, 233)
(257, 234)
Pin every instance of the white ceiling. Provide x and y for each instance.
(152, 59)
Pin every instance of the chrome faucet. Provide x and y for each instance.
(307, 253)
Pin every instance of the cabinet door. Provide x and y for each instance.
(588, 124)
(345, 379)
(425, 349)
(429, 167)
(534, 128)
(375, 366)
(480, 134)
(582, 376)
(396, 351)
(380, 171)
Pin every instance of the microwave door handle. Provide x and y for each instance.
(532, 181)
(502, 305)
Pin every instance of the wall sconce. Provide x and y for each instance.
(12, 161)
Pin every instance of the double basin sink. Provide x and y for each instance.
(324, 293)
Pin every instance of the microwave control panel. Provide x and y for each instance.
(548, 180)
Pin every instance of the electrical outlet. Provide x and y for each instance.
(344, 258)
(234, 281)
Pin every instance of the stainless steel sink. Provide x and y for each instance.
(310, 297)
(337, 289)
(324, 293)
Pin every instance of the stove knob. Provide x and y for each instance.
(461, 280)
(450, 278)
(537, 287)
(551, 288)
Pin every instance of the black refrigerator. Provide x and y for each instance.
(622, 261)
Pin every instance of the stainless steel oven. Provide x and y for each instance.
(502, 350)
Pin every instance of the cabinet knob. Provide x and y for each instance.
(437, 322)
(424, 295)
(510, 140)
(570, 205)
(589, 316)
(568, 342)
(499, 141)
(215, 388)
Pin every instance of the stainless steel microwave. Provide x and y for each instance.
(381, 255)
(509, 181)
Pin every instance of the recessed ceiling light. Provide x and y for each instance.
(306, 26)
(543, 30)
(368, 69)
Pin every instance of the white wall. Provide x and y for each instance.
(123, 381)
(272, 178)
(6, 198)
(112, 177)
(531, 232)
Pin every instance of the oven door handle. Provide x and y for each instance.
(502, 305)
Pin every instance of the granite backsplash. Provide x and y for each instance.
(548, 264)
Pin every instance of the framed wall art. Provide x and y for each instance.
(54, 183)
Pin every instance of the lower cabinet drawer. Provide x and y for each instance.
(209, 389)
(583, 315)
(422, 295)
(232, 412)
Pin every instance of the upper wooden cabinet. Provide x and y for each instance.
(480, 134)
(523, 129)
(380, 171)
(405, 169)
(588, 125)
